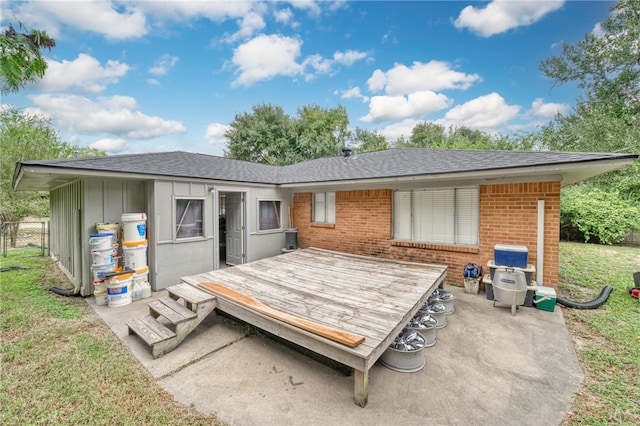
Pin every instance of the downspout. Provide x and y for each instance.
(540, 244)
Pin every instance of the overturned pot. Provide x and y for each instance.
(405, 354)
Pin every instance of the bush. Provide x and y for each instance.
(592, 215)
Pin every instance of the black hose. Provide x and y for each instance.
(594, 304)
(61, 292)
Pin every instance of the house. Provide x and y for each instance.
(447, 207)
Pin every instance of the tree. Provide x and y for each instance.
(25, 137)
(268, 135)
(365, 140)
(20, 58)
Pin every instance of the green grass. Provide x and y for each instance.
(62, 365)
(607, 339)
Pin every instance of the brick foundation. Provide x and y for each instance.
(508, 215)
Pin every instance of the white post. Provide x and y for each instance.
(540, 251)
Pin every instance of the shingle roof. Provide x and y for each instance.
(397, 162)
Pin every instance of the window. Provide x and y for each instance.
(324, 207)
(447, 216)
(189, 213)
(268, 215)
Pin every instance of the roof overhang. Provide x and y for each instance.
(567, 174)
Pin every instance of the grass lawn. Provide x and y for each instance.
(607, 340)
(60, 364)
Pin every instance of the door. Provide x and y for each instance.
(234, 214)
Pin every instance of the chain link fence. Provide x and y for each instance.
(33, 236)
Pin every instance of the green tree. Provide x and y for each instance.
(268, 135)
(365, 140)
(20, 59)
(263, 136)
(25, 137)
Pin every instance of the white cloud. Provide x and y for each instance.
(434, 75)
(250, 24)
(417, 104)
(354, 93)
(163, 65)
(215, 133)
(266, 57)
(597, 30)
(398, 130)
(484, 113)
(284, 16)
(349, 57)
(114, 21)
(309, 5)
(116, 115)
(84, 73)
(110, 146)
(547, 110)
(502, 15)
(186, 10)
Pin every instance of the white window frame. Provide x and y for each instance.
(278, 216)
(323, 207)
(448, 216)
(177, 218)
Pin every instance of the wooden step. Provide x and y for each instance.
(175, 312)
(150, 330)
(192, 296)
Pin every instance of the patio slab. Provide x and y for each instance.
(487, 367)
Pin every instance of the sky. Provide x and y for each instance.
(149, 76)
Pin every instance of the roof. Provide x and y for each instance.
(397, 163)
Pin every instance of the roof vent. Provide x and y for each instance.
(346, 152)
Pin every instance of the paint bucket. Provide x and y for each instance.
(134, 226)
(100, 270)
(102, 241)
(99, 285)
(109, 228)
(101, 297)
(134, 254)
(102, 257)
(118, 293)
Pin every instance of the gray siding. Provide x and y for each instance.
(65, 238)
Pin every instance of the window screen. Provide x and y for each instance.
(189, 215)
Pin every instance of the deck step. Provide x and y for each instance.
(175, 312)
(150, 330)
(189, 294)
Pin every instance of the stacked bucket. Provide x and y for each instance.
(104, 258)
(134, 253)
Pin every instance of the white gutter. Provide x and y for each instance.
(540, 244)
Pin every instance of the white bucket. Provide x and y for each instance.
(118, 292)
(134, 254)
(99, 286)
(102, 257)
(134, 226)
(101, 241)
(101, 297)
(109, 228)
(100, 270)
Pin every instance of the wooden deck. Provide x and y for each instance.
(372, 297)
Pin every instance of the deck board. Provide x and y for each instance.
(372, 297)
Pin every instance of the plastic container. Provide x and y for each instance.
(528, 271)
(510, 255)
(99, 271)
(291, 238)
(102, 257)
(101, 297)
(101, 241)
(134, 254)
(134, 227)
(545, 298)
(109, 228)
(118, 291)
(99, 285)
(141, 277)
(136, 291)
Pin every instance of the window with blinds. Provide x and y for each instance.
(324, 207)
(446, 216)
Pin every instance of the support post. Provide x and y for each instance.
(361, 387)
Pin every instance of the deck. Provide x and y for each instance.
(371, 297)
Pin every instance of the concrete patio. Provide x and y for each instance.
(487, 367)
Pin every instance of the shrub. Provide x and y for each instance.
(592, 215)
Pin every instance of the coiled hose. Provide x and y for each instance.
(594, 304)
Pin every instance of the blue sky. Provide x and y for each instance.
(145, 76)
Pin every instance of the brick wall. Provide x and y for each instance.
(508, 214)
